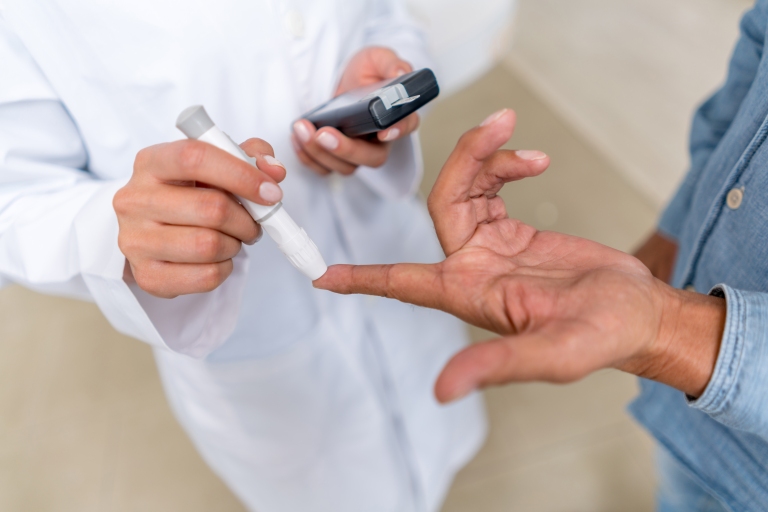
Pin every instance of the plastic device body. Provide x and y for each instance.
(291, 239)
(376, 107)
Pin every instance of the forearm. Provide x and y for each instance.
(687, 345)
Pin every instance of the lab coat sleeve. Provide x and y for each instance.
(58, 230)
(714, 117)
(391, 26)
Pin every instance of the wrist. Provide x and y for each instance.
(684, 353)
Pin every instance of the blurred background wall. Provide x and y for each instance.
(627, 74)
(606, 87)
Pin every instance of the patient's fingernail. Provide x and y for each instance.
(270, 192)
(493, 117)
(273, 161)
(391, 135)
(328, 141)
(527, 154)
(302, 132)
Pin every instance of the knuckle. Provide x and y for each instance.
(121, 201)
(215, 209)
(142, 159)
(213, 275)
(124, 243)
(146, 280)
(152, 277)
(191, 155)
(128, 243)
(128, 201)
(207, 245)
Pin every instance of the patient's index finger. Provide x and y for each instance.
(407, 282)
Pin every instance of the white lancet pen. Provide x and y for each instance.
(292, 240)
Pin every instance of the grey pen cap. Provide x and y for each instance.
(194, 121)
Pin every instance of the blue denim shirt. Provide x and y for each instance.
(722, 437)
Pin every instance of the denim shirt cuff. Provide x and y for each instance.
(736, 394)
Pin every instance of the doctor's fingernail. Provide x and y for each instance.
(302, 132)
(270, 192)
(493, 117)
(526, 154)
(328, 141)
(258, 237)
(459, 393)
(391, 135)
(273, 161)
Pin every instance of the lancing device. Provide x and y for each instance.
(292, 240)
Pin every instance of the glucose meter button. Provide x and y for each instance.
(294, 23)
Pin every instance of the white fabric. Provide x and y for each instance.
(466, 38)
(299, 399)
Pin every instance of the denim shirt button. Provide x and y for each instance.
(690, 288)
(735, 197)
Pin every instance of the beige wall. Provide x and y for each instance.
(627, 74)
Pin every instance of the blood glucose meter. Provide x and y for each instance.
(376, 107)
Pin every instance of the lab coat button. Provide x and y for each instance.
(294, 23)
(735, 197)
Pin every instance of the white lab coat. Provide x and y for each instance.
(298, 399)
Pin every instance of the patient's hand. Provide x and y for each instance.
(567, 306)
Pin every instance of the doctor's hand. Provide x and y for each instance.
(327, 150)
(180, 225)
(565, 306)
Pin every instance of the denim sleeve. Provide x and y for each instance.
(737, 394)
(714, 117)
